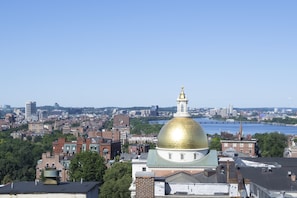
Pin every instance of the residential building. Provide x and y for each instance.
(121, 123)
(246, 147)
(36, 127)
(59, 162)
(105, 147)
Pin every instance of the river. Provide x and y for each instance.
(215, 126)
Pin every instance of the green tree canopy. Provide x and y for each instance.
(215, 143)
(142, 126)
(271, 144)
(18, 159)
(117, 180)
(88, 166)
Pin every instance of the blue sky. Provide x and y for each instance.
(140, 53)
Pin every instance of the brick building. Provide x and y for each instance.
(60, 163)
(246, 147)
(240, 145)
(114, 135)
(121, 121)
(105, 147)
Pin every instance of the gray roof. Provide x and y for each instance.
(32, 187)
(208, 161)
(284, 162)
(275, 179)
(183, 177)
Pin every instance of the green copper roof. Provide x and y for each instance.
(156, 161)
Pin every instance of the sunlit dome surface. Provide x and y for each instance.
(182, 133)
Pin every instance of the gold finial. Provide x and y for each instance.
(182, 94)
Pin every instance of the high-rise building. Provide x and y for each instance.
(30, 110)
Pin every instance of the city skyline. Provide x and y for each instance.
(124, 54)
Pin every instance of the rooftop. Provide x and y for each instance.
(38, 187)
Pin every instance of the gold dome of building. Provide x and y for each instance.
(182, 133)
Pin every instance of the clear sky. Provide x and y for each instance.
(140, 53)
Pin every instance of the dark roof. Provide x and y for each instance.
(284, 162)
(32, 187)
(271, 178)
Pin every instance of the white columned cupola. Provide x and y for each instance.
(182, 105)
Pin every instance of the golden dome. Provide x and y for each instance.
(182, 133)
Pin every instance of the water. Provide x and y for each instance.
(214, 126)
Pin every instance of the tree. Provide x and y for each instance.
(117, 180)
(271, 144)
(215, 143)
(142, 126)
(88, 166)
(18, 160)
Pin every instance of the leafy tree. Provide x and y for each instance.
(271, 144)
(286, 120)
(18, 159)
(88, 166)
(142, 126)
(215, 143)
(77, 124)
(117, 180)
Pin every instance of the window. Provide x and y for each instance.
(182, 156)
(195, 155)
(143, 169)
(250, 145)
(225, 144)
(182, 108)
(241, 145)
(234, 145)
(169, 156)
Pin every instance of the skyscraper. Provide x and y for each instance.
(30, 110)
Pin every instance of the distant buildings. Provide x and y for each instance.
(154, 111)
(30, 111)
